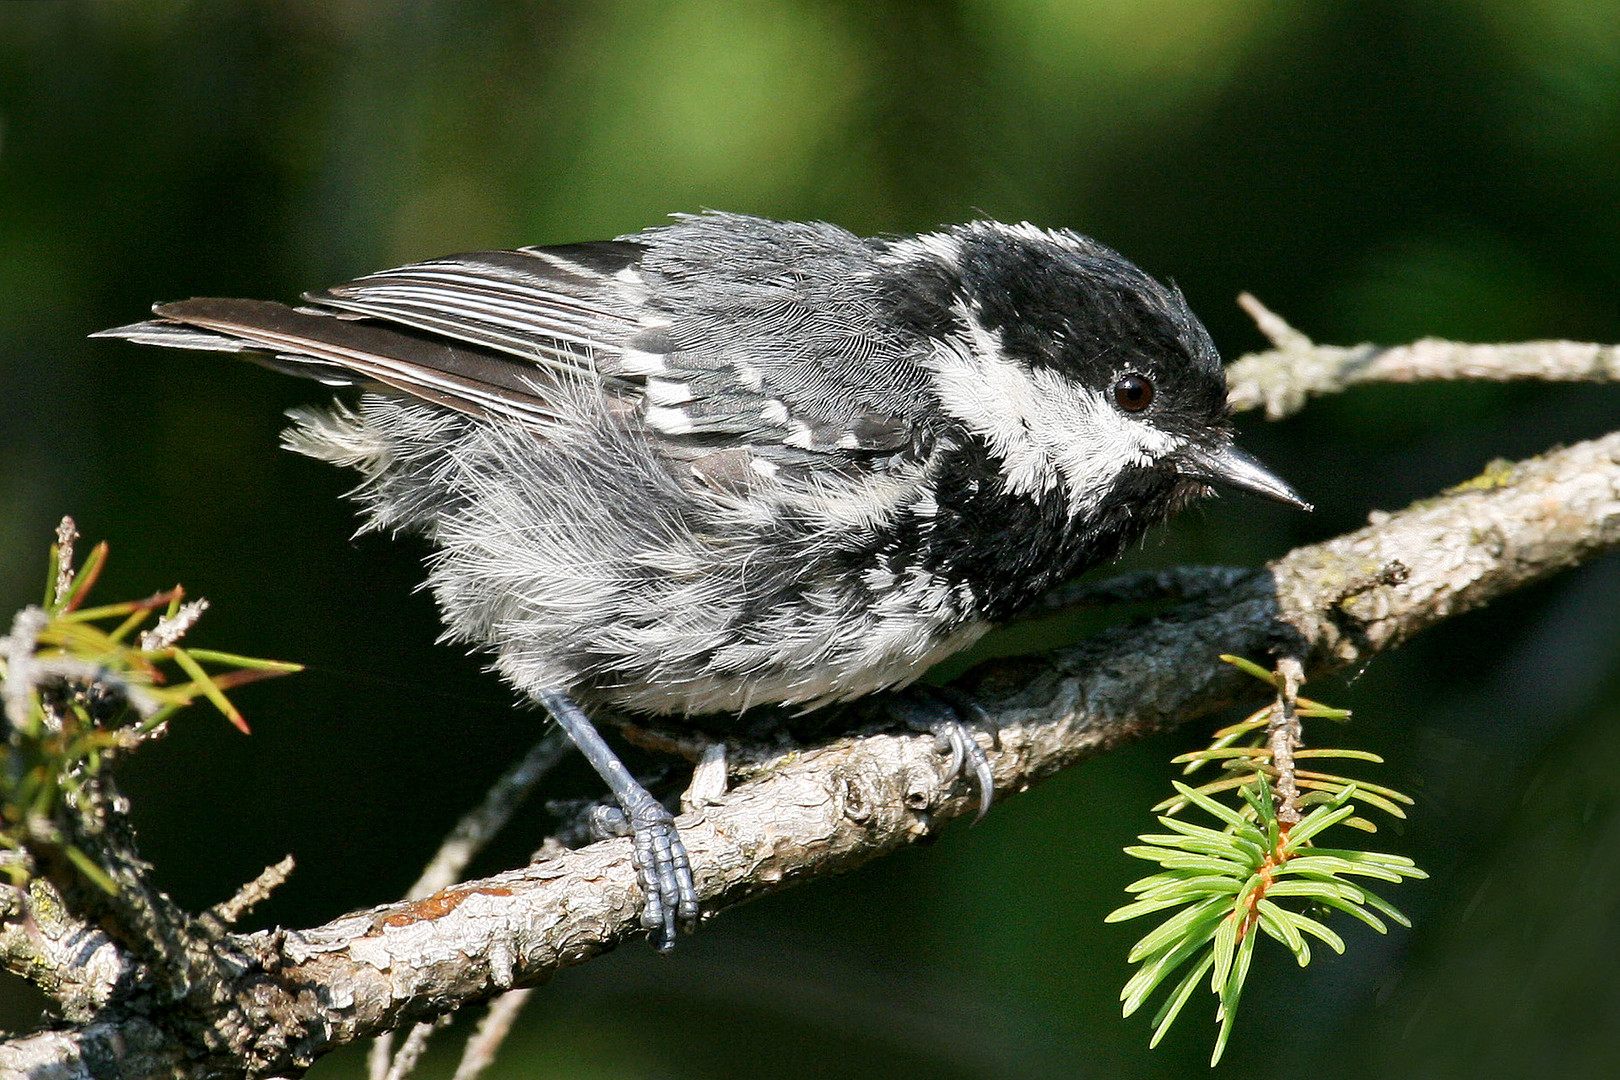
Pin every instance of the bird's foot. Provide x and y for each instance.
(952, 718)
(660, 858)
(671, 903)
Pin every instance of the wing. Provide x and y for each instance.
(722, 331)
(773, 333)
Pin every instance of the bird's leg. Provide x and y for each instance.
(951, 717)
(660, 857)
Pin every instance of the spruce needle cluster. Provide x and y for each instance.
(1259, 870)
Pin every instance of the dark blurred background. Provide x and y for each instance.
(1371, 169)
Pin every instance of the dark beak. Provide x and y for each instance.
(1231, 467)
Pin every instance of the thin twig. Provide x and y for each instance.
(1297, 369)
(254, 893)
(1283, 738)
(66, 533)
(479, 826)
(380, 1058)
(415, 1044)
(492, 1031)
(1274, 326)
(169, 630)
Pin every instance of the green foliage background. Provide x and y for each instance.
(1372, 169)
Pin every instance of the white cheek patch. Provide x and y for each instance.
(1047, 432)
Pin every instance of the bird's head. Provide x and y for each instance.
(1086, 380)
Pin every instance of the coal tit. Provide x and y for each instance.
(729, 461)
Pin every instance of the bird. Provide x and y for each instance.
(728, 461)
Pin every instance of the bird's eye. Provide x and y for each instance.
(1133, 392)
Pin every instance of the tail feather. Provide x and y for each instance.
(337, 349)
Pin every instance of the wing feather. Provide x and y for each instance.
(556, 312)
(460, 377)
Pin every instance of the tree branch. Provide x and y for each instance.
(827, 809)
(1283, 379)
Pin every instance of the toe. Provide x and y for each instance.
(671, 904)
(952, 717)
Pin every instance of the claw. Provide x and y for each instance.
(949, 737)
(946, 714)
